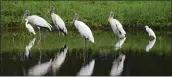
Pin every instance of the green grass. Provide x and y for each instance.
(93, 13)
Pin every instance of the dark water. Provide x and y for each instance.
(102, 61)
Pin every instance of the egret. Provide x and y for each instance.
(87, 70)
(58, 22)
(29, 46)
(150, 45)
(116, 26)
(118, 65)
(83, 29)
(37, 20)
(29, 27)
(150, 31)
(59, 59)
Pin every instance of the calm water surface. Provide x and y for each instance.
(136, 55)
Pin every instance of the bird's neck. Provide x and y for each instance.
(74, 21)
(52, 13)
(26, 22)
(110, 18)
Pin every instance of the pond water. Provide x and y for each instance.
(51, 54)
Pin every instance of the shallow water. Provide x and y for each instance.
(136, 55)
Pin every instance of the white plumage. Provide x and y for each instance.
(59, 59)
(87, 70)
(58, 22)
(118, 65)
(29, 46)
(120, 43)
(116, 26)
(150, 31)
(84, 30)
(150, 45)
(39, 21)
(40, 69)
(29, 27)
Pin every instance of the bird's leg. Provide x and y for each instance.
(85, 43)
(39, 41)
(39, 56)
(59, 32)
(119, 42)
(84, 50)
(39, 31)
(84, 56)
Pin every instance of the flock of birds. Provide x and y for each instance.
(54, 64)
(83, 29)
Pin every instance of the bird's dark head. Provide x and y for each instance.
(27, 13)
(111, 15)
(52, 9)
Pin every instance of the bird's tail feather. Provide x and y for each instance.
(50, 28)
(50, 25)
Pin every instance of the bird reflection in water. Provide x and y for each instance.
(118, 65)
(120, 43)
(28, 47)
(40, 68)
(87, 70)
(59, 59)
(150, 45)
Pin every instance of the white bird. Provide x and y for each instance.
(150, 45)
(118, 65)
(150, 31)
(58, 22)
(29, 46)
(40, 69)
(59, 59)
(87, 70)
(116, 26)
(120, 43)
(29, 27)
(83, 29)
(37, 20)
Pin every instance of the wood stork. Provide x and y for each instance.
(37, 20)
(83, 29)
(29, 27)
(40, 69)
(87, 70)
(150, 31)
(118, 65)
(59, 59)
(58, 22)
(120, 43)
(116, 26)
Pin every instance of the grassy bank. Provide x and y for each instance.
(93, 13)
